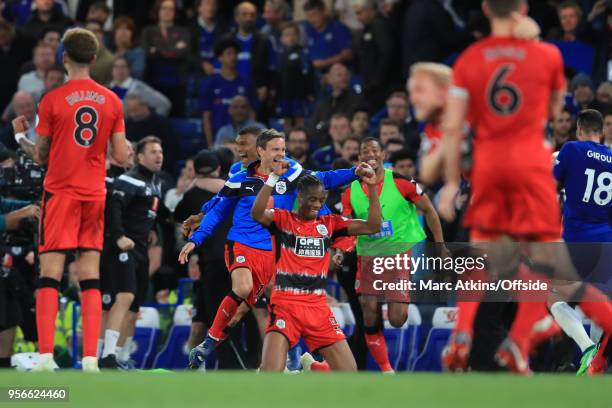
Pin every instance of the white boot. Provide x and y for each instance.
(45, 364)
(90, 365)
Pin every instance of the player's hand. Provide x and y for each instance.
(598, 9)
(318, 64)
(445, 252)
(125, 244)
(29, 211)
(20, 124)
(191, 224)
(281, 167)
(337, 259)
(366, 172)
(525, 28)
(446, 205)
(184, 255)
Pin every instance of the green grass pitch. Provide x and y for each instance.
(248, 389)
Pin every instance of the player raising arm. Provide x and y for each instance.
(76, 122)
(298, 306)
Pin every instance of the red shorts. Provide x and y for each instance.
(521, 204)
(316, 324)
(67, 223)
(261, 263)
(364, 283)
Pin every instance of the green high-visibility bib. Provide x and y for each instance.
(400, 228)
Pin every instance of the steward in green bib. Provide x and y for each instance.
(400, 198)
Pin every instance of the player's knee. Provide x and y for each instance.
(124, 298)
(397, 320)
(243, 288)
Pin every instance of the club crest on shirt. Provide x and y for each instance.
(280, 323)
(106, 299)
(322, 229)
(123, 257)
(281, 187)
(240, 259)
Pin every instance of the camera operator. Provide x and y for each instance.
(15, 300)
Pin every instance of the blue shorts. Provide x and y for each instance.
(591, 251)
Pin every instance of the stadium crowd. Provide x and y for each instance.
(193, 75)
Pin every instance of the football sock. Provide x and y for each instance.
(110, 342)
(527, 314)
(571, 323)
(375, 340)
(227, 310)
(91, 315)
(46, 313)
(596, 306)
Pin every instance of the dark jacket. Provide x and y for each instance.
(34, 26)
(347, 102)
(134, 204)
(159, 126)
(375, 50)
(260, 62)
(295, 74)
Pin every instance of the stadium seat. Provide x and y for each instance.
(174, 353)
(189, 135)
(443, 321)
(402, 343)
(146, 337)
(577, 55)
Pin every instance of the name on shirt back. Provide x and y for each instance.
(79, 96)
(599, 156)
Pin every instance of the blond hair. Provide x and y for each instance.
(442, 74)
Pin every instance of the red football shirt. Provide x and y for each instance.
(79, 117)
(509, 83)
(303, 261)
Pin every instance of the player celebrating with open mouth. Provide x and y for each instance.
(298, 306)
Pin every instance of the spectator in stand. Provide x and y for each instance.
(100, 12)
(43, 58)
(218, 90)
(102, 69)
(54, 77)
(349, 148)
(607, 130)
(255, 57)
(398, 111)
(167, 46)
(600, 18)
(561, 128)
(276, 13)
(141, 121)
(295, 79)
(298, 9)
(572, 27)
(123, 84)
(23, 103)
(403, 162)
(375, 52)
(14, 51)
(389, 129)
(44, 15)
(360, 123)
(123, 43)
(583, 94)
(206, 31)
(341, 100)
(241, 115)
(298, 147)
(392, 146)
(429, 34)
(339, 131)
(51, 36)
(604, 93)
(329, 41)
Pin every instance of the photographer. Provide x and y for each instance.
(14, 300)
